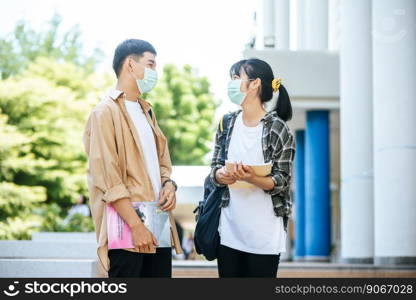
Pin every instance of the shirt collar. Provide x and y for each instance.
(114, 94)
(269, 115)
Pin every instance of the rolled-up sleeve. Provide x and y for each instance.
(100, 145)
(217, 162)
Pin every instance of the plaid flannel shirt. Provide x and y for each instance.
(278, 146)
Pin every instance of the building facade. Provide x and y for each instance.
(350, 68)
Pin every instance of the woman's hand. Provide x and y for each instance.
(222, 176)
(243, 173)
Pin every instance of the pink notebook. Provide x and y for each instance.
(156, 220)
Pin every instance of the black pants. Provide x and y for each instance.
(236, 263)
(125, 263)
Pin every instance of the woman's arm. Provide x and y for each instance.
(216, 163)
(246, 173)
(265, 183)
(282, 163)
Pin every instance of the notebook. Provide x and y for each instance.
(259, 169)
(155, 220)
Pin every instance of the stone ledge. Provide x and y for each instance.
(59, 249)
(52, 268)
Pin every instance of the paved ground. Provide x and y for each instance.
(309, 270)
(299, 273)
(196, 269)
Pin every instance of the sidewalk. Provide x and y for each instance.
(197, 269)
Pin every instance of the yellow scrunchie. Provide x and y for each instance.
(276, 84)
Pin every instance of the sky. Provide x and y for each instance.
(208, 35)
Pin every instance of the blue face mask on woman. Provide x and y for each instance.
(234, 91)
(148, 82)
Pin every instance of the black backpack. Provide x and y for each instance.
(206, 236)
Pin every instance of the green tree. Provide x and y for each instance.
(24, 45)
(47, 90)
(43, 112)
(185, 110)
(16, 201)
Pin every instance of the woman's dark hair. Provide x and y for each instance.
(257, 68)
(129, 47)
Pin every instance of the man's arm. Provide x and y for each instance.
(103, 158)
(106, 175)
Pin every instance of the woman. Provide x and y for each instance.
(253, 222)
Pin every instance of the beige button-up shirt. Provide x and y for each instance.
(116, 166)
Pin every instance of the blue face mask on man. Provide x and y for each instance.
(148, 82)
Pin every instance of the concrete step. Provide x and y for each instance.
(50, 268)
(44, 249)
(63, 237)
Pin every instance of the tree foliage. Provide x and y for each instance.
(185, 109)
(47, 89)
(25, 44)
(46, 92)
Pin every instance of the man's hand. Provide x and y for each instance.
(224, 177)
(167, 199)
(143, 240)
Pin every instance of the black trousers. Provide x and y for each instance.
(125, 263)
(236, 263)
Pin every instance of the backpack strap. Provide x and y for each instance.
(221, 124)
(224, 121)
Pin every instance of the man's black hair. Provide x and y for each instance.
(130, 47)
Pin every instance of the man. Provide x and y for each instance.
(129, 162)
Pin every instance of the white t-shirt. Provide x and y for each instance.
(147, 141)
(160, 226)
(248, 223)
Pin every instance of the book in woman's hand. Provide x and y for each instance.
(259, 169)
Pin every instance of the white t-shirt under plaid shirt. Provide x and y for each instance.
(248, 223)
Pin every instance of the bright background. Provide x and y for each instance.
(197, 33)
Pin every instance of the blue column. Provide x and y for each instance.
(300, 195)
(317, 204)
